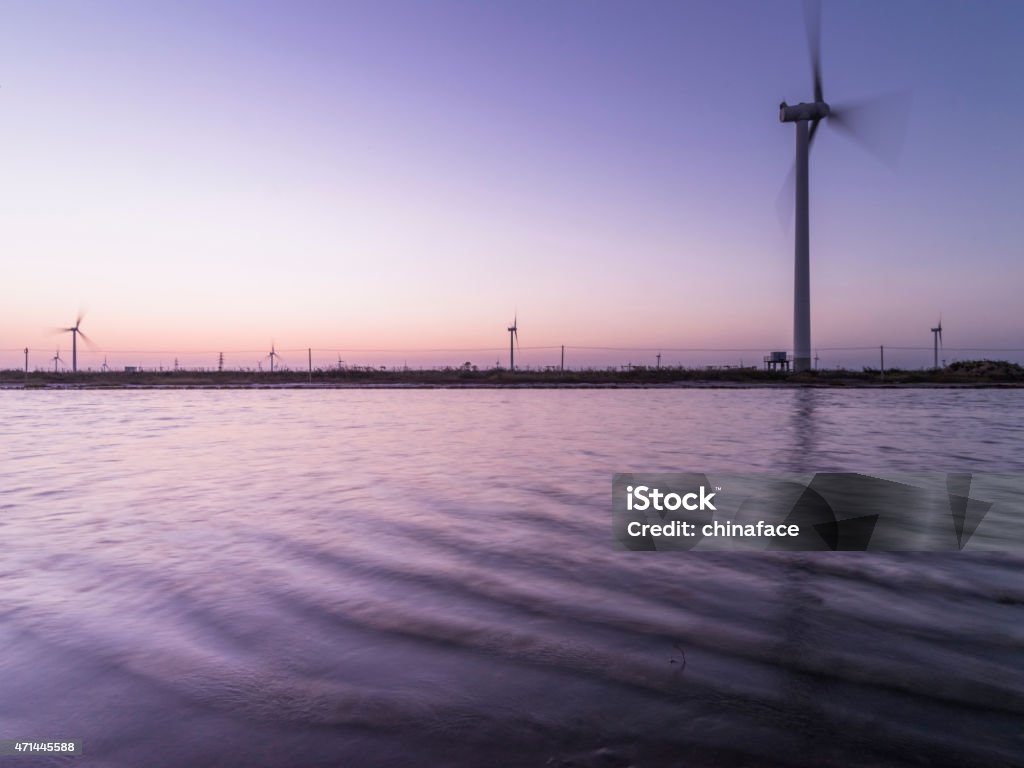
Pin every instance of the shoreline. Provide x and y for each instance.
(589, 386)
(976, 375)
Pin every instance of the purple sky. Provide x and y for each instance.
(407, 175)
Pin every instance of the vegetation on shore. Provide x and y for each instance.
(968, 373)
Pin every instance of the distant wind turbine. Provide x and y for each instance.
(513, 342)
(273, 356)
(937, 339)
(56, 360)
(75, 331)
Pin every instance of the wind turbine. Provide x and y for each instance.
(850, 118)
(56, 359)
(937, 339)
(273, 355)
(75, 332)
(513, 342)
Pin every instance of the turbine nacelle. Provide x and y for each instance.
(815, 110)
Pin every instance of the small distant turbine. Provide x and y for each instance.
(75, 332)
(937, 339)
(57, 360)
(513, 342)
(272, 356)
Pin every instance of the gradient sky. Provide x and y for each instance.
(407, 175)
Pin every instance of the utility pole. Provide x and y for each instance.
(26, 363)
(562, 367)
(881, 352)
(309, 350)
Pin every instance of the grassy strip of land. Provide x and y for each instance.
(973, 373)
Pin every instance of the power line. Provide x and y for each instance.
(332, 350)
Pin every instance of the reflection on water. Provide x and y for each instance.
(803, 430)
(428, 577)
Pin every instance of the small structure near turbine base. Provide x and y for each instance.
(777, 361)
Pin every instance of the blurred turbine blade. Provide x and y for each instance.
(814, 130)
(88, 342)
(878, 124)
(785, 203)
(812, 20)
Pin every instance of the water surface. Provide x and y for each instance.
(379, 577)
